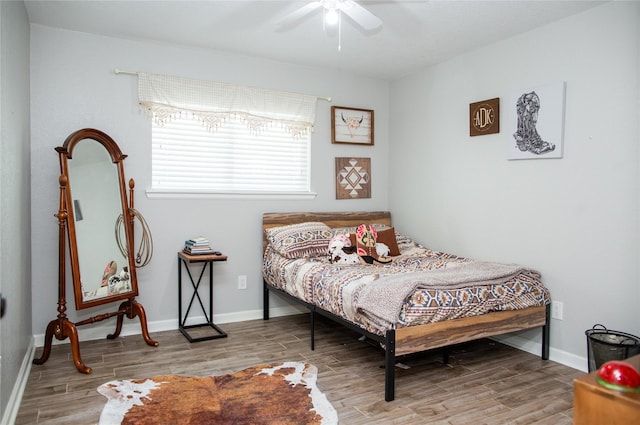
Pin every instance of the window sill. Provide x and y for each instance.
(198, 194)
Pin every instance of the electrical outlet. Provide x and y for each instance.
(242, 282)
(556, 310)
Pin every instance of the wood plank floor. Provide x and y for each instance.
(485, 382)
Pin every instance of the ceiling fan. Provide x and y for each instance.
(332, 13)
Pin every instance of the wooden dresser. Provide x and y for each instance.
(594, 404)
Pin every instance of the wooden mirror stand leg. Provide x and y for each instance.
(132, 308)
(62, 328)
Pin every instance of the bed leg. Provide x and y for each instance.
(265, 301)
(390, 365)
(546, 334)
(445, 355)
(313, 329)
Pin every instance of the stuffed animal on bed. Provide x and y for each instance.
(341, 251)
(382, 249)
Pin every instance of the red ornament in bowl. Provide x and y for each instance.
(620, 376)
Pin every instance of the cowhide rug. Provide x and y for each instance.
(278, 393)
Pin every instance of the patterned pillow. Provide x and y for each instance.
(309, 239)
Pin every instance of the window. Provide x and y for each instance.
(210, 137)
(232, 159)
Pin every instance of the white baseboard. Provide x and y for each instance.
(13, 405)
(132, 327)
(558, 356)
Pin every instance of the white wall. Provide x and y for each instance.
(73, 86)
(575, 219)
(16, 337)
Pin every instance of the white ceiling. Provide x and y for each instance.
(415, 33)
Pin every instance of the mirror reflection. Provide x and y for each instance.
(97, 206)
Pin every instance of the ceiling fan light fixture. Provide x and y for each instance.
(331, 17)
(332, 11)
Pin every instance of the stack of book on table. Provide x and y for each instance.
(198, 246)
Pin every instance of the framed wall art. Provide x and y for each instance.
(351, 126)
(536, 122)
(353, 178)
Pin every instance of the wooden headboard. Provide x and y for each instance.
(332, 219)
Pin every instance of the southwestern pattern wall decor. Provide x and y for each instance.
(352, 126)
(484, 117)
(537, 122)
(353, 178)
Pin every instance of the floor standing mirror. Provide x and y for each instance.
(93, 205)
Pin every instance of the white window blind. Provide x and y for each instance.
(186, 157)
(222, 138)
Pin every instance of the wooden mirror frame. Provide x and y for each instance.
(117, 157)
(62, 327)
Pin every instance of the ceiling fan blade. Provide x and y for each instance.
(367, 20)
(294, 17)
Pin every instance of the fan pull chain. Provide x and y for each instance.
(339, 30)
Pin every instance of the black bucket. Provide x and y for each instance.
(604, 345)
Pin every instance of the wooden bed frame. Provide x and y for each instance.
(402, 341)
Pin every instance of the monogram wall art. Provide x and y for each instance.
(484, 117)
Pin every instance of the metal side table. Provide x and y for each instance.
(208, 260)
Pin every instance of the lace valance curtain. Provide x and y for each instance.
(166, 97)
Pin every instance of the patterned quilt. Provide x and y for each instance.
(341, 289)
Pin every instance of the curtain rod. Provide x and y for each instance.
(119, 71)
